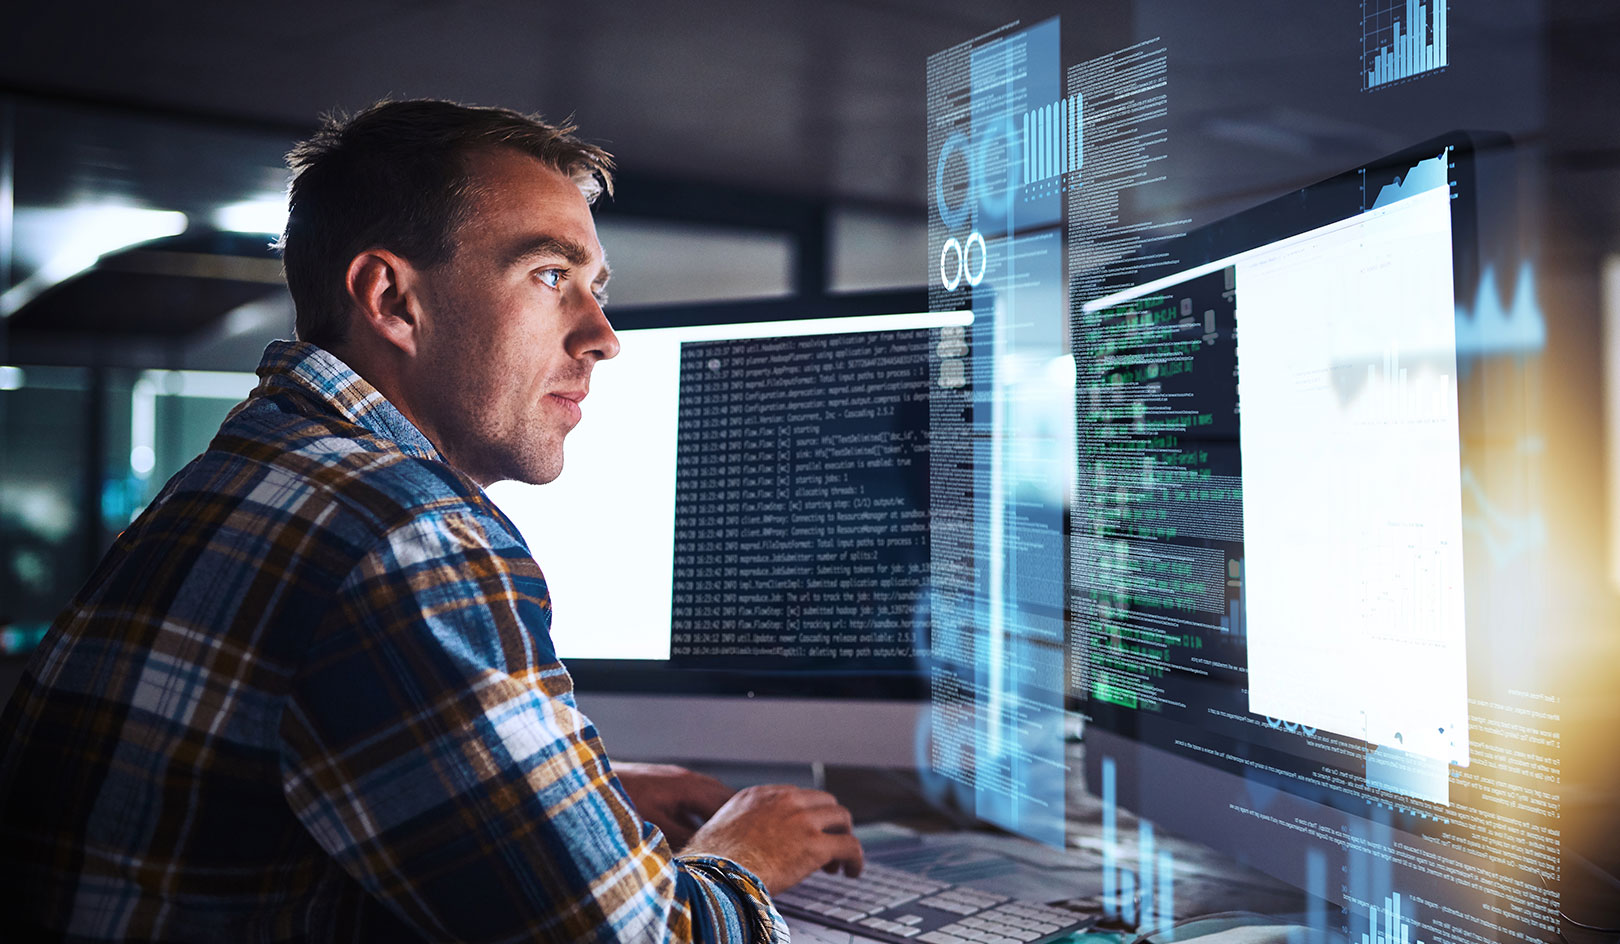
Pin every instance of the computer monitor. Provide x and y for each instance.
(1286, 625)
(738, 546)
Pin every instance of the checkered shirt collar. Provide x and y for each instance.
(315, 371)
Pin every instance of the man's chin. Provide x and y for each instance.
(541, 479)
(530, 470)
(536, 470)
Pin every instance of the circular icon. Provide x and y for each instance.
(947, 278)
(952, 218)
(995, 158)
(1290, 726)
(984, 258)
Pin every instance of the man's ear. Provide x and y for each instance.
(382, 288)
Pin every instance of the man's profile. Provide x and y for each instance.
(310, 693)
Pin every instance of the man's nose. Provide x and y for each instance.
(593, 334)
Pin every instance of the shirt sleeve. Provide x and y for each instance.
(433, 748)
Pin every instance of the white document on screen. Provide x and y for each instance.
(1352, 510)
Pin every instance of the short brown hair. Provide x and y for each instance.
(394, 176)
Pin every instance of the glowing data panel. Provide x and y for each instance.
(1401, 39)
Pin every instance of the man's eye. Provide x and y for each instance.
(551, 278)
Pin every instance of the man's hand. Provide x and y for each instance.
(672, 798)
(781, 834)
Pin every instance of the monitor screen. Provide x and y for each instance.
(1283, 422)
(1275, 619)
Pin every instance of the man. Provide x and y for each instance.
(310, 693)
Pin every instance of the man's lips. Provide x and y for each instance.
(568, 401)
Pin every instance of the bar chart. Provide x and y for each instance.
(1392, 928)
(1053, 139)
(1145, 897)
(1402, 39)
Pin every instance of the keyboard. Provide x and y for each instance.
(889, 904)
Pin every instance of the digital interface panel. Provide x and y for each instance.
(1036, 169)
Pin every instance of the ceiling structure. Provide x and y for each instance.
(824, 99)
(818, 99)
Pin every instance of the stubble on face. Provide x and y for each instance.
(497, 344)
(493, 424)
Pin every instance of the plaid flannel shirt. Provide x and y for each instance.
(310, 695)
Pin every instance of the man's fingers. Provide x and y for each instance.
(805, 798)
(844, 849)
(827, 819)
(782, 834)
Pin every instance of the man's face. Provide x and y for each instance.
(512, 323)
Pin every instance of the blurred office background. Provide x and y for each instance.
(772, 155)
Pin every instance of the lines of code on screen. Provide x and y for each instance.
(801, 496)
(1157, 536)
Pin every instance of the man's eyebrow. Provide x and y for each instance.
(571, 251)
(603, 276)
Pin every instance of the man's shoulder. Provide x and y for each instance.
(278, 452)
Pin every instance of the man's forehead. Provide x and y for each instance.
(503, 178)
(525, 203)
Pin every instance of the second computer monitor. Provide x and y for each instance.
(1277, 565)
